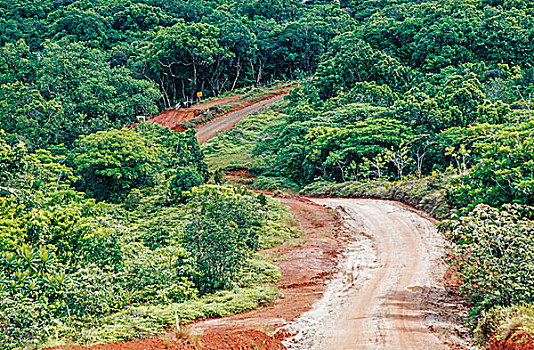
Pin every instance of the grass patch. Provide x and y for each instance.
(254, 92)
(281, 225)
(144, 321)
(233, 149)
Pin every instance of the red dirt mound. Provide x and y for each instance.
(174, 117)
(240, 340)
(518, 341)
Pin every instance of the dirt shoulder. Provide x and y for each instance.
(251, 339)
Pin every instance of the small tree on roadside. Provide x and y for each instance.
(221, 234)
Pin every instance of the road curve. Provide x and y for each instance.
(388, 292)
(211, 129)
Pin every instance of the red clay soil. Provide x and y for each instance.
(518, 341)
(173, 118)
(240, 340)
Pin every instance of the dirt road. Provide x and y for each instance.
(389, 292)
(210, 130)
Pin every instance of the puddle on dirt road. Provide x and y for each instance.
(416, 289)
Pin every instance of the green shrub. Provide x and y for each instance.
(494, 250)
(503, 172)
(24, 321)
(112, 163)
(223, 231)
(182, 182)
(218, 176)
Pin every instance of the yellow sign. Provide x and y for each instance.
(199, 94)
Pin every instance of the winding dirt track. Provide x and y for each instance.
(210, 130)
(389, 292)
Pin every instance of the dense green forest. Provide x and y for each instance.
(98, 221)
(428, 102)
(70, 68)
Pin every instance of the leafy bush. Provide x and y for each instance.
(223, 231)
(494, 250)
(112, 163)
(24, 321)
(183, 181)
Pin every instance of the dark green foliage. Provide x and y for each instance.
(352, 60)
(218, 176)
(262, 199)
(502, 173)
(76, 67)
(114, 162)
(184, 180)
(432, 36)
(333, 146)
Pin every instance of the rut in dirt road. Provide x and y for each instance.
(389, 292)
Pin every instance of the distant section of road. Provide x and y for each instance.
(211, 129)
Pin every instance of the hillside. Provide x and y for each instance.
(113, 230)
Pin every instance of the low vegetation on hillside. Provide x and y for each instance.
(157, 242)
